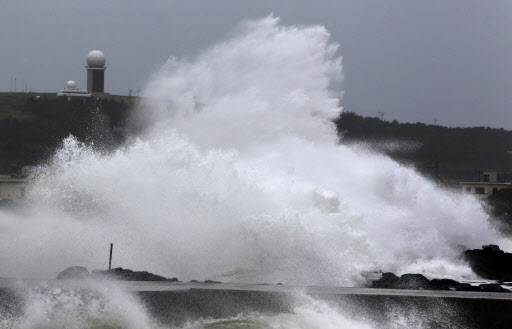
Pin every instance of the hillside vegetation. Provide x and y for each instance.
(33, 125)
(458, 153)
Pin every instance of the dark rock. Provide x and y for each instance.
(129, 275)
(195, 281)
(419, 282)
(387, 281)
(494, 247)
(74, 272)
(492, 287)
(279, 284)
(467, 287)
(445, 282)
(448, 284)
(413, 281)
(490, 263)
(211, 281)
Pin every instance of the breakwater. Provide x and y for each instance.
(434, 309)
(173, 304)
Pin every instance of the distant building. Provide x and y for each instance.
(96, 74)
(71, 91)
(486, 185)
(95, 79)
(12, 188)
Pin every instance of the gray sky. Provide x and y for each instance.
(414, 60)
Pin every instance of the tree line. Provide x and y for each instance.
(457, 152)
(451, 153)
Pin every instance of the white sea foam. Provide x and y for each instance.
(241, 178)
(439, 268)
(94, 305)
(313, 314)
(310, 313)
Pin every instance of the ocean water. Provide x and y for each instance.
(239, 176)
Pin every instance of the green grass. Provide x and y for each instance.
(11, 104)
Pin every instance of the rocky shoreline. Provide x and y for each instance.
(119, 273)
(490, 263)
(420, 282)
(80, 272)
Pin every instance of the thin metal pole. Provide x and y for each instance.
(110, 259)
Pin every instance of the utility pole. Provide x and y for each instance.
(110, 258)
(435, 121)
(138, 92)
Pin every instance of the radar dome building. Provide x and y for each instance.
(71, 91)
(71, 85)
(95, 78)
(96, 59)
(96, 73)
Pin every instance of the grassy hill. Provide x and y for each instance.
(458, 153)
(11, 104)
(33, 124)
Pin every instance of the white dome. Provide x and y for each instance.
(96, 59)
(71, 85)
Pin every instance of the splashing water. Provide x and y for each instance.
(93, 306)
(312, 315)
(240, 177)
(103, 305)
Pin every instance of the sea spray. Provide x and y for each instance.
(79, 305)
(239, 176)
(311, 315)
(104, 304)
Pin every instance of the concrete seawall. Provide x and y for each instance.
(432, 309)
(175, 303)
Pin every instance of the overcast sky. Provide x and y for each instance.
(414, 60)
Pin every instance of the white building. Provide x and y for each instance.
(486, 186)
(12, 188)
(95, 79)
(71, 91)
